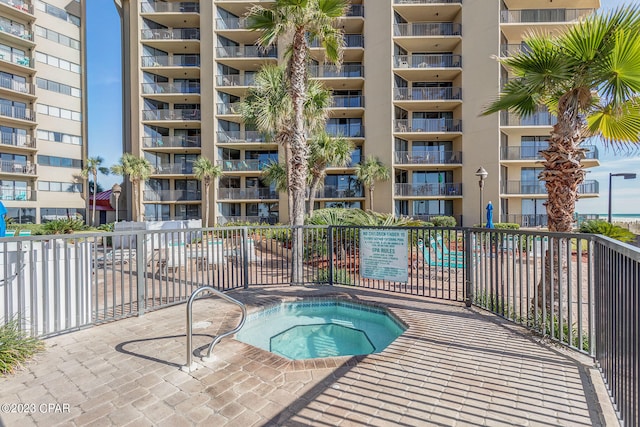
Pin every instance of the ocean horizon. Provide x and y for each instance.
(624, 217)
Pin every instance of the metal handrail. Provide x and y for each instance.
(189, 366)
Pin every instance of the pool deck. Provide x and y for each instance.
(454, 366)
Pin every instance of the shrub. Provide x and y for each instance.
(506, 226)
(340, 276)
(63, 226)
(16, 347)
(444, 221)
(600, 226)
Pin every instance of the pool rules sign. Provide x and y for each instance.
(383, 255)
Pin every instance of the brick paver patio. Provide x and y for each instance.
(454, 366)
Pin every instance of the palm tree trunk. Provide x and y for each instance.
(371, 188)
(312, 193)
(299, 148)
(136, 208)
(562, 174)
(206, 197)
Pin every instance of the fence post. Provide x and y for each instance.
(245, 256)
(468, 254)
(330, 253)
(141, 265)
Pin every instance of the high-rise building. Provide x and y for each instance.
(43, 133)
(416, 75)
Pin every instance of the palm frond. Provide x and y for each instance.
(617, 126)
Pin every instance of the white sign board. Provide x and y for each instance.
(383, 255)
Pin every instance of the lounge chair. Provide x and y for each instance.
(10, 233)
(438, 260)
(445, 250)
(23, 233)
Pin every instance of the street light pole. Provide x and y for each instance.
(482, 175)
(116, 190)
(611, 175)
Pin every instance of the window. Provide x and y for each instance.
(54, 61)
(56, 37)
(57, 12)
(51, 214)
(58, 87)
(68, 187)
(64, 138)
(61, 162)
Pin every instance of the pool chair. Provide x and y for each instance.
(445, 250)
(450, 258)
(23, 233)
(437, 260)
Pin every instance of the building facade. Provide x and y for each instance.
(416, 75)
(43, 133)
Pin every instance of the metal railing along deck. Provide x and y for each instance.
(578, 290)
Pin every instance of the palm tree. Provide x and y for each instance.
(91, 169)
(326, 150)
(304, 22)
(206, 172)
(275, 173)
(268, 106)
(138, 169)
(588, 78)
(370, 171)
(564, 73)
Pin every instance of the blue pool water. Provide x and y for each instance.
(321, 328)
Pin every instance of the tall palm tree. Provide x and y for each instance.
(275, 173)
(370, 171)
(326, 150)
(138, 169)
(91, 168)
(588, 78)
(268, 106)
(304, 21)
(206, 172)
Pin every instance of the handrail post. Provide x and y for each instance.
(330, 253)
(468, 244)
(245, 257)
(140, 269)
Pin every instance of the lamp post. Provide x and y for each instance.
(116, 190)
(482, 175)
(611, 175)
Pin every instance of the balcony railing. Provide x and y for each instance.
(172, 195)
(428, 158)
(17, 30)
(234, 136)
(350, 41)
(161, 6)
(247, 193)
(186, 114)
(25, 141)
(231, 23)
(21, 113)
(9, 166)
(427, 93)
(347, 101)
(541, 118)
(512, 49)
(16, 85)
(543, 15)
(533, 153)
(428, 125)
(25, 61)
(356, 10)
(428, 60)
(426, 1)
(235, 80)
(170, 88)
(348, 131)
(17, 194)
(173, 169)
(245, 52)
(171, 141)
(171, 61)
(333, 192)
(538, 187)
(330, 71)
(252, 165)
(171, 34)
(423, 29)
(226, 108)
(19, 4)
(427, 190)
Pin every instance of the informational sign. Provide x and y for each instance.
(383, 255)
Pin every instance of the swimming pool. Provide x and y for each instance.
(321, 328)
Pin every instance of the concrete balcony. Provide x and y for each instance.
(532, 16)
(428, 158)
(20, 9)
(241, 52)
(228, 80)
(347, 101)
(247, 194)
(242, 165)
(17, 114)
(424, 29)
(347, 131)
(171, 115)
(171, 142)
(170, 88)
(171, 34)
(17, 87)
(172, 195)
(510, 49)
(427, 125)
(333, 192)
(355, 10)
(14, 62)
(588, 187)
(173, 169)
(420, 98)
(18, 141)
(17, 194)
(540, 118)
(231, 23)
(167, 7)
(425, 10)
(240, 137)
(191, 60)
(17, 168)
(427, 67)
(533, 153)
(226, 109)
(17, 34)
(451, 189)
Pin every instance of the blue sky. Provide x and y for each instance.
(105, 113)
